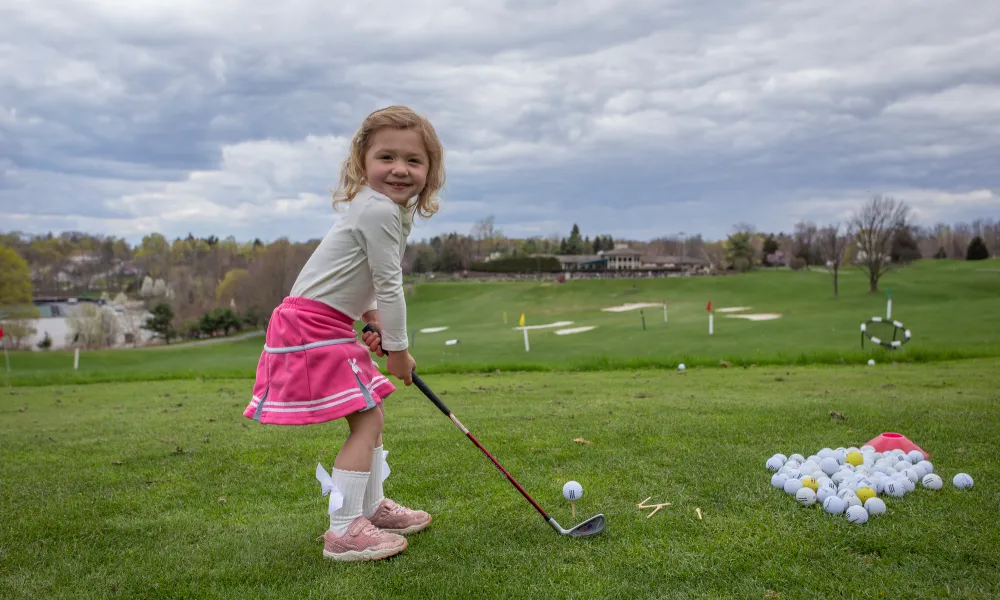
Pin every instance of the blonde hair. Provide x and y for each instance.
(352, 171)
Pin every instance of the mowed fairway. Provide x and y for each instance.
(164, 490)
(951, 307)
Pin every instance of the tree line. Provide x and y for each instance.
(192, 282)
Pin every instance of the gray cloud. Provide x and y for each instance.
(638, 118)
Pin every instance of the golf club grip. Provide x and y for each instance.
(416, 378)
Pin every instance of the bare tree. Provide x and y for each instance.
(714, 253)
(833, 247)
(876, 224)
(961, 235)
(485, 234)
(803, 241)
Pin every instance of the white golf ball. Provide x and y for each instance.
(915, 456)
(681, 367)
(805, 496)
(895, 489)
(867, 448)
(823, 494)
(782, 457)
(926, 464)
(856, 514)
(962, 481)
(874, 506)
(792, 486)
(829, 465)
(846, 493)
(871, 362)
(908, 485)
(912, 475)
(778, 480)
(834, 505)
(774, 463)
(798, 458)
(853, 500)
(921, 471)
(572, 491)
(932, 481)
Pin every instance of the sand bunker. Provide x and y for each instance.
(757, 317)
(575, 330)
(545, 326)
(625, 307)
(730, 309)
(433, 329)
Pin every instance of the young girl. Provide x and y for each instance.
(314, 369)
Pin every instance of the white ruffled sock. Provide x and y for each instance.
(373, 491)
(352, 485)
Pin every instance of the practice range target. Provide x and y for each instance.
(896, 327)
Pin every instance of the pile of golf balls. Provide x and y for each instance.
(850, 481)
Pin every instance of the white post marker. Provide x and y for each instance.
(76, 359)
(710, 315)
(888, 304)
(5, 355)
(527, 348)
(664, 312)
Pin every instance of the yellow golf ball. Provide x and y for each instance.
(864, 493)
(810, 483)
(855, 458)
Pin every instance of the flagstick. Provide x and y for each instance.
(664, 312)
(526, 347)
(888, 304)
(710, 315)
(76, 359)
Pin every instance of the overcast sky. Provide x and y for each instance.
(639, 118)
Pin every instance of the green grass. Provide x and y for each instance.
(951, 308)
(164, 490)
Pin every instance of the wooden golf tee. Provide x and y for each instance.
(572, 506)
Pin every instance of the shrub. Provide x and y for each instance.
(519, 264)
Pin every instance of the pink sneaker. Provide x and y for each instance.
(394, 518)
(362, 542)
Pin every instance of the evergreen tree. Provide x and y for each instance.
(977, 250)
(161, 323)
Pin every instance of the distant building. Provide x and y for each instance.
(623, 258)
(123, 328)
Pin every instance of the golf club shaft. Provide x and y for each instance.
(437, 401)
(441, 406)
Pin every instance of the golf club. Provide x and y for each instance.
(591, 526)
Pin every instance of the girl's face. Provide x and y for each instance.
(396, 164)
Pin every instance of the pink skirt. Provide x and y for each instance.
(313, 368)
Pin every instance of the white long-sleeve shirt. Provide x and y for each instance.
(357, 266)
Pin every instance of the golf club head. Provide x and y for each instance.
(591, 526)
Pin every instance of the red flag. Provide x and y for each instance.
(709, 307)
(1, 333)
